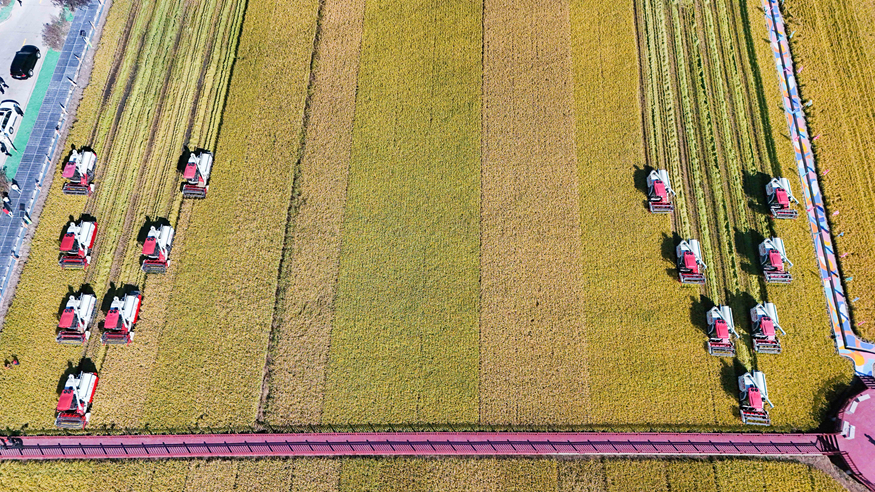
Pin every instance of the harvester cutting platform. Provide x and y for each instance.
(772, 258)
(77, 243)
(721, 329)
(75, 324)
(74, 405)
(118, 327)
(157, 248)
(79, 173)
(765, 323)
(780, 195)
(197, 174)
(690, 265)
(659, 192)
(753, 397)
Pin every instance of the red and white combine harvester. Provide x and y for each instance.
(157, 248)
(721, 329)
(118, 327)
(779, 194)
(74, 405)
(79, 173)
(77, 243)
(659, 191)
(75, 324)
(753, 397)
(690, 265)
(197, 174)
(765, 323)
(772, 258)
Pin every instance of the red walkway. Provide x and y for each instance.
(420, 444)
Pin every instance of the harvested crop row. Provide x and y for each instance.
(305, 297)
(531, 328)
(404, 342)
(214, 342)
(833, 50)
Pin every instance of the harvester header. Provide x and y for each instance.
(79, 173)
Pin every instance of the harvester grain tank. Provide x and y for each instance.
(659, 192)
(764, 318)
(79, 173)
(157, 248)
(773, 255)
(77, 243)
(780, 195)
(721, 329)
(753, 397)
(118, 327)
(197, 174)
(74, 405)
(75, 324)
(689, 262)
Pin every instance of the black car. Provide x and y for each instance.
(24, 61)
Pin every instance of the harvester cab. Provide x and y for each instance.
(197, 174)
(79, 173)
(780, 195)
(765, 327)
(118, 327)
(77, 243)
(75, 325)
(721, 329)
(157, 248)
(690, 265)
(772, 258)
(659, 192)
(753, 397)
(74, 405)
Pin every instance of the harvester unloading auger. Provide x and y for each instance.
(74, 405)
(753, 397)
(77, 243)
(690, 265)
(772, 258)
(764, 318)
(75, 324)
(197, 174)
(118, 327)
(780, 195)
(659, 192)
(721, 329)
(79, 173)
(157, 248)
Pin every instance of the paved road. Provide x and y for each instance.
(24, 26)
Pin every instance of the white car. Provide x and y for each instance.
(10, 117)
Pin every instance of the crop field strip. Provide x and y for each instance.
(295, 383)
(531, 338)
(405, 334)
(414, 474)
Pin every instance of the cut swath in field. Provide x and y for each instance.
(531, 337)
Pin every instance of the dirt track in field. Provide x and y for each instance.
(531, 339)
(305, 302)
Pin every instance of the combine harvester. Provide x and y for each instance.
(157, 248)
(79, 173)
(77, 243)
(779, 195)
(753, 397)
(764, 317)
(197, 174)
(659, 191)
(689, 262)
(721, 329)
(75, 325)
(74, 405)
(772, 258)
(118, 327)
